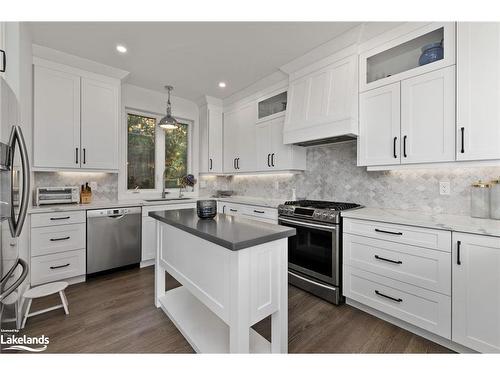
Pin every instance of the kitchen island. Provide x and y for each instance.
(233, 273)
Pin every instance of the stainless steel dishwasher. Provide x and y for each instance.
(113, 238)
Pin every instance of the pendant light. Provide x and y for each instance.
(168, 122)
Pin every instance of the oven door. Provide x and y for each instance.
(314, 250)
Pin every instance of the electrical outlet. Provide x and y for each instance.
(93, 185)
(444, 187)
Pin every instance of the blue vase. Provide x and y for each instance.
(430, 53)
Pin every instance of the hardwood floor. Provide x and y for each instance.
(115, 314)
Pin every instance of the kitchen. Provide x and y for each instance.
(340, 196)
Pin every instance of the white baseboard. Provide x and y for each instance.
(147, 263)
(410, 327)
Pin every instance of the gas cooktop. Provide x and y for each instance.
(315, 210)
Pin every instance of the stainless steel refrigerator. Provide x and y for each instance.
(14, 195)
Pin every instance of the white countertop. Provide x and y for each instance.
(261, 202)
(457, 223)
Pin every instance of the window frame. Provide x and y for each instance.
(159, 157)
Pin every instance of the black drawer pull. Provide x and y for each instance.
(459, 243)
(404, 146)
(388, 232)
(388, 297)
(388, 260)
(62, 266)
(233, 210)
(259, 212)
(394, 147)
(462, 148)
(60, 218)
(60, 239)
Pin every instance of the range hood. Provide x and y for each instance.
(325, 141)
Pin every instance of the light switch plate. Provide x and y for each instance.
(444, 187)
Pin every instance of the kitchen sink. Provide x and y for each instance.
(165, 199)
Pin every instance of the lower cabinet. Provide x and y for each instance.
(148, 244)
(58, 246)
(476, 292)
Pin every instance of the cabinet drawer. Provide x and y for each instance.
(261, 212)
(57, 218)
(49, 240)
(423, 237)
(429, 269)
(420, 307)
(59, 266)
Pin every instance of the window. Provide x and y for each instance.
(151, 150)
(176, 155)
(141, 152)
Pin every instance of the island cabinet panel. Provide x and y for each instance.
(188, 258)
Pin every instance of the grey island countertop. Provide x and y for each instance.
(231, 232)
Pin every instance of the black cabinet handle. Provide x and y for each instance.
(459, 243)
(272, 159)
(233, 210)
(269, 160)
(76, 155)
(4, 61)
(404, 146)
(388, 232)
(84, 156)
(388, 260)
(59, 218)
(237, 163)
(60, 239)
(462, 149)
(394, 147)
(210, 164)
(388, 297)
(56, 267)
(258, 212)
(234, 163)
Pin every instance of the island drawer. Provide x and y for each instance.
(50, 240)
(420, 307)
(58, 266)
(425, 268)
(57, 218)
(417, 236)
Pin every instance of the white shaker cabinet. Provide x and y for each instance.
(56, 118)
(272, 154)
(379, 132)
(478, 90)
(211, 136)
(428, 117)
(476, 292)
(76, 113)
(230, 141)
(99, 124)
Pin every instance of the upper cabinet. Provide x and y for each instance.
(211, 136)
(77, 116)
(407, 99)
(407, 54)
(323, 102)
(272, 107)
(478, 90)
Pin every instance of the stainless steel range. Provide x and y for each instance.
(315, 253)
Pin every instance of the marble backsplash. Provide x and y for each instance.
(332, 174)
(107, 183)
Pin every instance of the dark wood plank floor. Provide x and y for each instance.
(115, 314)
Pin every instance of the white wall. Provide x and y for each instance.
(145, 100)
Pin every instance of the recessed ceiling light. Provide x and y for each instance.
(121, 48)
(222, 84)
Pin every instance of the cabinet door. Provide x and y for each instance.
(56, 119)
(215, 140)
(478, 90)
(148, 238)
(263, 146)
(100, 118)
(230, 141)
(247, 116)
(476, 292)
(204, 157)
(298, 94)
(379, 126)
(281, 154)
(428, 117)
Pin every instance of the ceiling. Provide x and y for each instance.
(192, 56)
